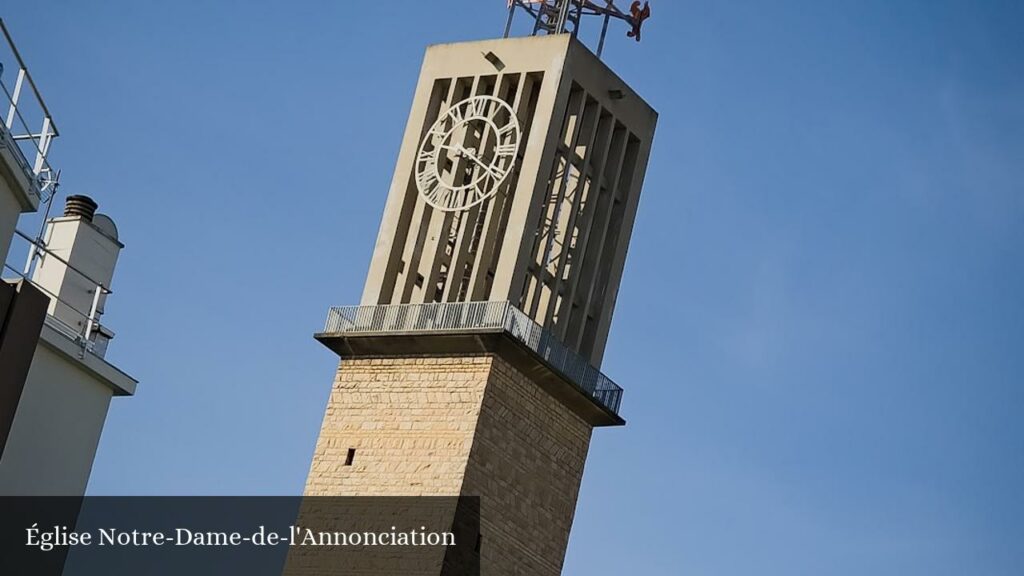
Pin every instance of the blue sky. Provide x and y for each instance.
(821, 325)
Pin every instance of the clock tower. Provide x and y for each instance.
(472, 365)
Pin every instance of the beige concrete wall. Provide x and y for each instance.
(16, 191)
(543, 56)
(93, 257)
(56, 429)
(459, 425)
(10, 209)
(554, 237)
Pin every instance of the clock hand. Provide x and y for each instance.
(487, 167)
(460, 150)
(490, 170)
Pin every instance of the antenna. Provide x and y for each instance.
(566, 16)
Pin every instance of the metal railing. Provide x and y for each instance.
(27, 127)
(89, 334)
(463, 316)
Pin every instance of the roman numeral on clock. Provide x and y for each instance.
(505, 149)
(479, 107)
(507, 129)
(427, 180)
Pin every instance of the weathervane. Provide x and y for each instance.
(556, 16)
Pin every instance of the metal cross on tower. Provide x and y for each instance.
(566, 16)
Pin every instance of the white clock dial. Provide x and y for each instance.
(468, 153)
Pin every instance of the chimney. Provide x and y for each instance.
(84, 248)
(80, 206)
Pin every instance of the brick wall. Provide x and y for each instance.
(526, 463)
(410, 420)
(472, 425)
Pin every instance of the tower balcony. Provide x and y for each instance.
(475, 328)
(27, 131)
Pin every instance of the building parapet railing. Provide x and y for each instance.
(26, 125)
(462, 316)
(92, 336)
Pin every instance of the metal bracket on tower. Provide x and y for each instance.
(566, 16)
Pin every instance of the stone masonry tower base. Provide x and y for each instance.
(480, 427)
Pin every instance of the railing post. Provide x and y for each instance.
(92, 314)
(33, 251)
(13, 110)
(604, 34)
(45, 136)
(511, 15)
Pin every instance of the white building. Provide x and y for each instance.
(55, 384)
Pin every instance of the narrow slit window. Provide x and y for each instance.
(350, 457)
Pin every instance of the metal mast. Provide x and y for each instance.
(567, 16)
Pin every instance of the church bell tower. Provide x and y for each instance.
(472, 364)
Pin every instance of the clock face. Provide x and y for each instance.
(467, 154)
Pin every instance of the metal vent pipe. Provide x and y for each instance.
(81, 206)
